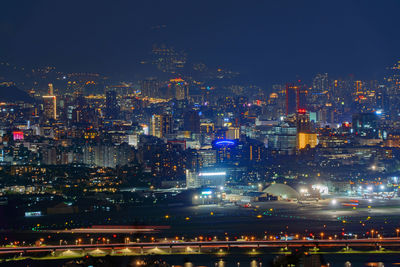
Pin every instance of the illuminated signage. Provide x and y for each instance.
(212, 173)
(224, 142)
(209, 192)
(18, 135)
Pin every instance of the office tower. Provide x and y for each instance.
(303, 123)
(214, 178)
(227, 150)
(18, 135)
(306, 137)
(359, 87)
(161, 125)
(207, 157)
(107, 155)
(301, 100)
(112, 107)
(191, 121)
(51, 89)
(291, 99)
(319, 90)
(296, 98)
(150, 87)
(179, 88)
(282, 138)
(191, 179)
(50, 107)
(320, 83)
(233, 133)
(305, 140)
(365, 124)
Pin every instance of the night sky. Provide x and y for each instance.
(268, 41)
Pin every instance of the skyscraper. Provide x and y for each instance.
(150, 87)
(179, 88)
(296, 98)
(365, 124)
(112, 107)
(161, 125)
(50, 107)
(51, 89)
(291, 98)
(191, 121)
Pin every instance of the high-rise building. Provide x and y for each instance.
(233, 133)
(51, 89)
(161, 125)
(291, 98)
(282, 138)
(319, 92)
(112, 107)
(150, 87)
(320, 83)
(227, 150)
(191, 121)
(179, 88)
(302, 93)
(303, 123)
(50, 106)
(107, 155)
(305, 140)
(205, 178)
(365, 124)
(296, 98)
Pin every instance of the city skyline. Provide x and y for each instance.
(199, 133)
(267, 42)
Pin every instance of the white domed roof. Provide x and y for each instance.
(281, 190)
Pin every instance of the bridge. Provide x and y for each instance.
(171, 247)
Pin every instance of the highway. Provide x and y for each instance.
(143, 246)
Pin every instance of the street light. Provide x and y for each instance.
(372, 233)
(397, 232)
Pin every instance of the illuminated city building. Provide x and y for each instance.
(112, 108)
(365, 124)
(283, 138)
(51, 89)
(179, 88)
(305, 140)
(161, 125)
(150, 88)
(296, 98)
(18, 135)
(212, 178)
(50, 107)
(233, 133)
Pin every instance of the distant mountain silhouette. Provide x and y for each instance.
(13, 94)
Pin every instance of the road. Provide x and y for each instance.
(320, 243)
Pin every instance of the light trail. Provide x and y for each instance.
(366, 242)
